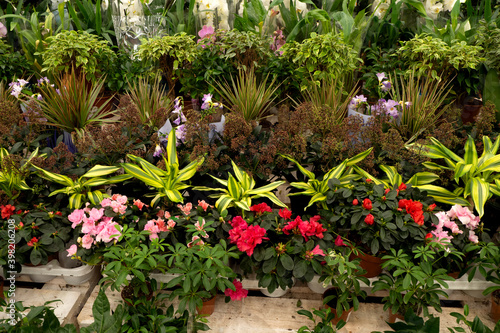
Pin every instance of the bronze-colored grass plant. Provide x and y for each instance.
(427, 99)
(251, 97)
(71, 104)
(149, 98)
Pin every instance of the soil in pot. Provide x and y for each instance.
(127, 294)
(495, 306)
(332, 304)
(208, 307)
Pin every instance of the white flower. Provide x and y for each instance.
(448, 4)
(433, 8)
(104, 4)
(380, 8)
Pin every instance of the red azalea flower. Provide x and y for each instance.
(369, 219)
(238, 294)
(139, 204)
(316, 251)
(293, 226)
(339, 241)
(261, 208)
(285, 213)
(402, 187)
(7, 211)
(387, 190)
(33, 241)
(431, 207)
(414, 208)
(355, 202)
(367, 204)
(368, 180)
(58, 213)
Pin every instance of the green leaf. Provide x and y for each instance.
(286, 261)
(480, 191)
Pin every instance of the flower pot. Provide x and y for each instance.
(366, 118)
(127, 294)
(67, 262)
(372, 265)
(470, 110)
(277, 293)
(207, 308)
(495, 306)
(316, 286)
(395, 317)
(332, 306)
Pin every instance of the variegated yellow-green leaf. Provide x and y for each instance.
(95, 196)
(305, 172)
(174, 195)
(189, 171)
(470, 156)
(221, 181)
(234, 188)
(480, 191)
(440, 194)
(60, 179)
(335, 172)
(138, 173)
(435, 166)
(238, 172)
(394, 177)
(266, 188)
(318, 197)
(223, 202)
(171, 148)
(495, 188)
(75, 201)
(95, 182)
(422, 178)
(447, 153)
(100, 170)
(369, 176)
(461, 169)
(242, 205)
(358, 158)
(491, 164)
(271, 197)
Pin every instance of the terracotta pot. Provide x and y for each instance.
(395, 317)
(208, 307)
(495, 306)
(333, 304)
(372, 265)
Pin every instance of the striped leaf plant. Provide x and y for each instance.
(476, 177)
(82, 187)
(169, 182)
(240, 190)
(317, 188)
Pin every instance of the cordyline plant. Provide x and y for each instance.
(476, 177)
(423, 100)
(168, 183)
(71, 104)
(250, 97)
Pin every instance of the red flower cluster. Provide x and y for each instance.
(33, 241)
(414, 208)
(369, 219)
(305, 228)
(239, 293)
(245, 236)
(367, 204)
(7, 211)
(285, 213)
(261, 208)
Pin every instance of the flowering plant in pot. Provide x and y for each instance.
(411, 280)
(203, 270)
(278, 248)
(40, 233)
(117, 235)
(376, 218)
(344, 276)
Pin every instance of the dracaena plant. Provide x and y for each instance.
(241, 190)
(12, 178)
(249, 96)
(81, 188)
(169, 182)
(476, 177)
(317, 188)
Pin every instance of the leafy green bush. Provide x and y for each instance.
(12, 64)
(81, 50)
(320, 56)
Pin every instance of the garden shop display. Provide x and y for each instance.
(275, 142)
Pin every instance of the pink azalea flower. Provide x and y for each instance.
(109, 233)
(464, 215)
(473, 237)
(186, 209)
(72, 250)
(139, 204)
(106, 202)
(316, 251)
(171, 224)
(196, 240)
(96, 214)
(238, 294)
(203, 205)
(152, 228)
(87, 241)
(76, 217)
(89, 227)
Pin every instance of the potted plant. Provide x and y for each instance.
(343, 277)
(323, 323)
(377, 219)
(411, 280)
(279, 249)
(202, 270)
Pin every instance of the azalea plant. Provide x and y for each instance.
(41, 232)
(278, 248)
(378, 218)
